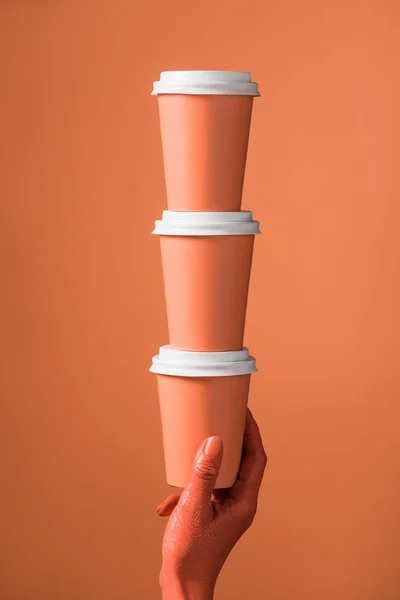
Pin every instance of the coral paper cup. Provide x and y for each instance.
(205, 124)
(206, 260)
(202, 394)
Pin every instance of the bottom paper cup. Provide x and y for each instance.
(202, 394)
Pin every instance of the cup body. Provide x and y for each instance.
(204, 141)
(194, 408)
(206, 288)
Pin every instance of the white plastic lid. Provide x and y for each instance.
(182, 363)
(230, 83)
(207, 223)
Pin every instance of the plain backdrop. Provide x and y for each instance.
(82, 308)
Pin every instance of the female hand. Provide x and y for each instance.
(205, 523)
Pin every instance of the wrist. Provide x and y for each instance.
(175, 589)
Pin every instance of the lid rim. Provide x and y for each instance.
(179, 223)
(182, 363)
(213, 82)
(206, 232)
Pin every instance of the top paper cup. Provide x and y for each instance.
(229, 83)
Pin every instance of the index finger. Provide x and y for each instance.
(253, 465)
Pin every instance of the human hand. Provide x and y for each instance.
(204, 523)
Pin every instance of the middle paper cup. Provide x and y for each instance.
(206, 260)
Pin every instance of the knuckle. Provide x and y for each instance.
(264, 458)
(206, 470)
(248, 514)
(256, 426)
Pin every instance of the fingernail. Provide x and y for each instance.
(213, 447)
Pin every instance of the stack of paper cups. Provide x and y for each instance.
(206, 247)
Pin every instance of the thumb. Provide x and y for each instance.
(205, 472)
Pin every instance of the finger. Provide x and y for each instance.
(253, 465)
(167, 506)
(197, 495)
